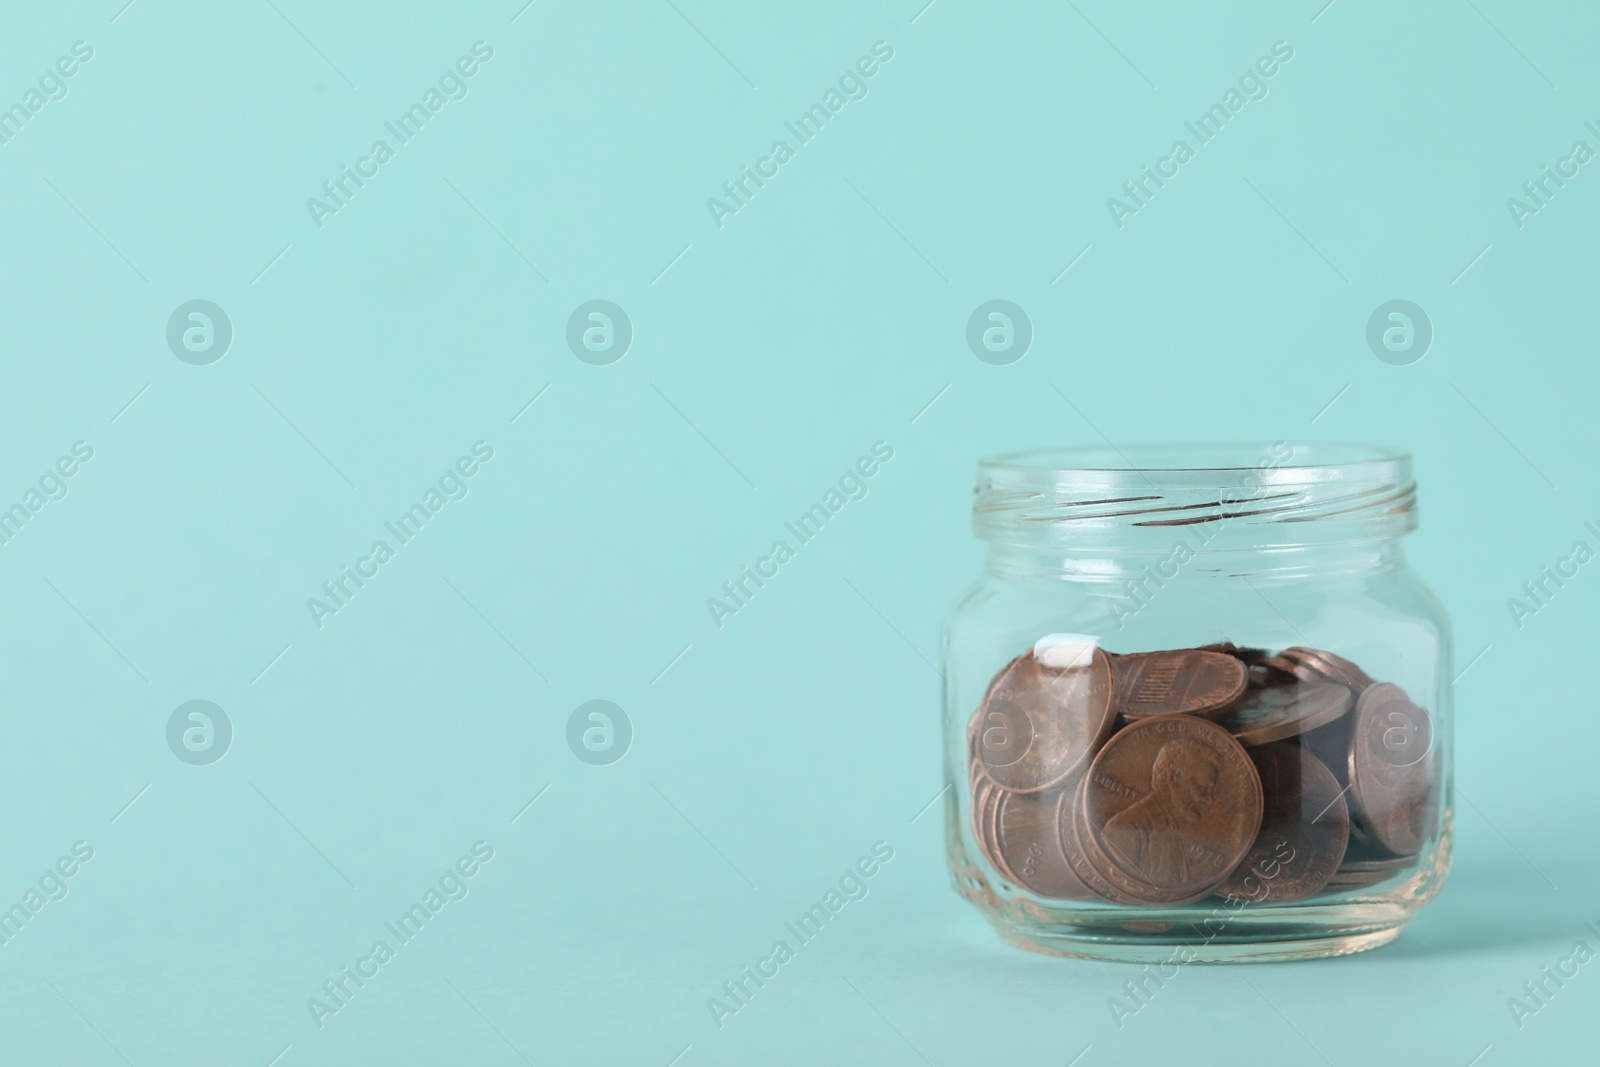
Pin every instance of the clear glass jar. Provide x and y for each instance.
(1271, 778)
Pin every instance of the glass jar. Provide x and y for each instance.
(1197, 708)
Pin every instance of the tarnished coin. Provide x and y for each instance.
(1366, 848)
(1040, 721)
(1287, 667)
(1257, 674)
(1029, 844)
(1331, 745)
(1275, 713)
(1364, 866)
(1386, 866)
(1304, 830)
(1171, 806)
(1350, 883)
(1315, 664)
(1248, 656)
(1179, 682)
(1261, 676)
(1390, 774)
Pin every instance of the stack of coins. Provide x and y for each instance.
(1163, 778)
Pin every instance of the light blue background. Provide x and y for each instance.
(768, 355)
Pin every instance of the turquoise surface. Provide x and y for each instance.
(400, 346)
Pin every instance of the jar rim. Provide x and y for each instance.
(1261, 494)
(1323, 460)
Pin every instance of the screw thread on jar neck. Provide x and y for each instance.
(1222, 503)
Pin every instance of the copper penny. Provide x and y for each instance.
(1073, 836)
(1318, 665)
(1350, 883)
(1119, 885)
(1264, 677)
(1178, 682)
(1362, 855)
(984, 794)
(1364, 866)
(1250, 657)
(1304, 830)
(1171, 806)
(1278, 712)
(1357, 871)
(1390, 779)
(1040, 721)
(1331, 745)
(1029, 844)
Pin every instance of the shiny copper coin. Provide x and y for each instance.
(1029, 844)
(1041, 721)
(1171, 806)
(1304, 830)
(1389, 769)
(1178, 682)
(1278, 712)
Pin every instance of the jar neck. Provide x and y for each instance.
(1182, 560)
(1219, 509)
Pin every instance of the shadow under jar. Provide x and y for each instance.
(1196, 707)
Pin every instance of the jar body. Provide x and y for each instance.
(1115, 856)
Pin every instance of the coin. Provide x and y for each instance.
(1171, 806)
(1112, 881)
(1072, 846)
(1029, 844)
(1257, 674)
(1258, 776)
(1365, 865)
(1038, 723)
(1319, 665)
(1304, 830)
(1363, 854)
(1383, 866)
(1178, 682)
(1390, 785)
(1288, 667)
(1331, 745)
(1261, 676)
(1350, 883)
(1248, 656)
(1275, 713)
(984, 793)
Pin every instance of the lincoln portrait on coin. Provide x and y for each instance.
(1148, 835)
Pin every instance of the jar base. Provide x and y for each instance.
(1128, 943)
